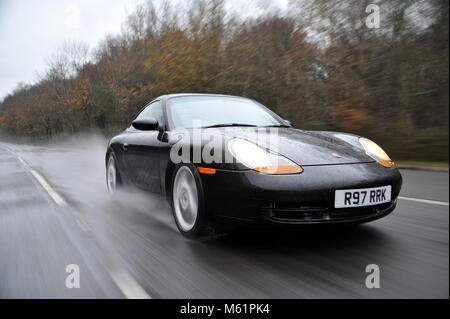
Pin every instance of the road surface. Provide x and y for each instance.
(55, 211)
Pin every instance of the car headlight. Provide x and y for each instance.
(258, 159)
(376, 152)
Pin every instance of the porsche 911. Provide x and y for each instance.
(226, 162)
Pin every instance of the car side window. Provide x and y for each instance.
(154, 110)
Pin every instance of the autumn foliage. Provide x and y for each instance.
(318, 66)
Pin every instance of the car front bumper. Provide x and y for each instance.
(234, 198)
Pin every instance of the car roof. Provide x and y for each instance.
(200, 94)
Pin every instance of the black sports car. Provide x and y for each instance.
(226, 161)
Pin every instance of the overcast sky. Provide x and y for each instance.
(31, 31)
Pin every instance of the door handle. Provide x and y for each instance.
(125, 146)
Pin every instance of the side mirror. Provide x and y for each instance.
(145, 124)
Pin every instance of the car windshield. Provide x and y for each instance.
(217, 111)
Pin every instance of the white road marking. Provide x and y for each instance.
(83, 225)
(127, 284)
(53, 194)
(22, 161)
(425, 201)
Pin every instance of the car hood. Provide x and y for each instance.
(305, 148)
(308, 148)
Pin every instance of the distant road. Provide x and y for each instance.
(55, 211)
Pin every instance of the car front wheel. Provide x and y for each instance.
(187, 201)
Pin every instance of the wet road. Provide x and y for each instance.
(55, 211)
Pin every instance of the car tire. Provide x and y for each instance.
(187, 201)
(113, 180)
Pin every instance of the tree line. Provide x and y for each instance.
(318, 65)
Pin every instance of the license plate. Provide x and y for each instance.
(362, 197)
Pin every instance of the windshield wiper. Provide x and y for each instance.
(229, 124)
